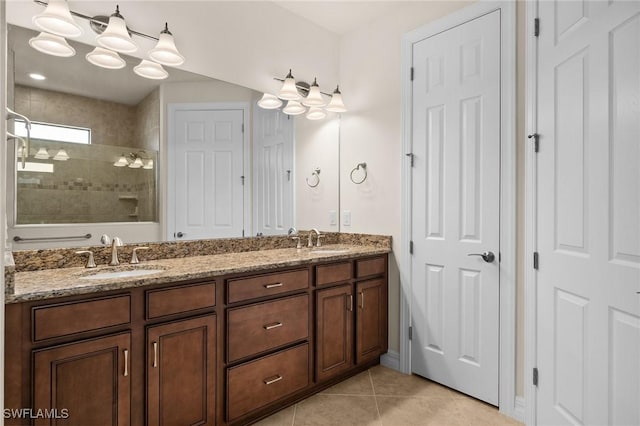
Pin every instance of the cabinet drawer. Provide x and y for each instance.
(334, 273)
(260, 327)
(76, 317)
(265, 380)
(370, 267)
(266, 285)
(180, 299)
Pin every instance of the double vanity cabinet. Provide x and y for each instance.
(229, 349)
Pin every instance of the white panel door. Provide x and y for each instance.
(588, 318)
(456, 204)
(208, 171)
(272, 171)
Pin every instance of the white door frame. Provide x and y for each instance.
(246, 163)
(530, 221)
(507, 351)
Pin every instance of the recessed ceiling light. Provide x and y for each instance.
(36, 76)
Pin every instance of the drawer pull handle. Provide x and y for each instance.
(272, 326)
(155, 354)
(362, 295)
(273, 285)
(272, 381)
(350, 308)
(126, 362)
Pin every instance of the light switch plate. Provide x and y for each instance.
(333, 217)
(346, 217)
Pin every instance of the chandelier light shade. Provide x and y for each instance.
(289, 91)
(148, 164)
(314, 98)
(61, 155)
(336, 104)
(269, 101)
(52, 45)
(105, 58)
(122, 161)
(137, 163)
(151, 70)
(165, 52)
(294, 108)
(42, 154)
(56, 19)
(116, 35)
(316, 113)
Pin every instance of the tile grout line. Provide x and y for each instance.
(375, 398)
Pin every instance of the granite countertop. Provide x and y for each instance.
(49, 283)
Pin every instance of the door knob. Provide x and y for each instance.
(179, 234)
(487, 256)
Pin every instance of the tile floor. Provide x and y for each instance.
(383, 397)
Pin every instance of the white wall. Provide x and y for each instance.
(370, 132)
(316, 147)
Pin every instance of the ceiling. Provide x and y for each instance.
(340, 17)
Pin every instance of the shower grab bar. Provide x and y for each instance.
(70, 237)
(11, 114)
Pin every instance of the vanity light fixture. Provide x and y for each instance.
(314, 98)
(52, 45)
(293, 91)
(148, 164)
(336, 104)
(151, 70)
(137, 163)
(116, 36)
(61, 155)
(165, 52)
(294, 108)
(113, 36)
(289, 91)
(56, 19)
(105, 58)
(316, 113)
(122, 161)
(269, 101)
(42, 154)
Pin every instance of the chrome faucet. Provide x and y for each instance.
(115, 243)
(310, 242)
(293, 234)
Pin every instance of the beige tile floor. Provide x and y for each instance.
(383, 397)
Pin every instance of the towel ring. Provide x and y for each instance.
(315, 173)
(364, 168)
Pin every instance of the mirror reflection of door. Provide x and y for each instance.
(273, 172)
(206, 164)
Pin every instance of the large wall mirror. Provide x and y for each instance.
(116, 153)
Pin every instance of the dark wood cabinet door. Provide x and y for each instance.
(85, 383)
(181, 360)
(371, 320)
(334, 331)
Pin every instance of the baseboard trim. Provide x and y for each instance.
(391, 360)
(518, 409)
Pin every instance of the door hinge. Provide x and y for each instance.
(410, 332)
(410, 247)
(536, 260)
(536, 141)
(411, 73)
(243, 232)
(242, 180)
(536, 27)
(535, 376)
(411, 156)
(242, 127)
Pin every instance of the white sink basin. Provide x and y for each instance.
(329, 251)
(122, 274)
